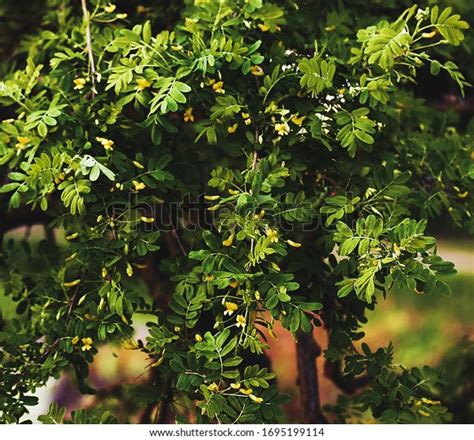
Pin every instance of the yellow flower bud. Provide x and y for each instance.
(256, 70)
(72, 283)
(228, 242)
(233, 128)
(246, 391)
(293, 243)
(255, 398)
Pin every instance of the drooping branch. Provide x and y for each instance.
(308, 351)
(333, 371)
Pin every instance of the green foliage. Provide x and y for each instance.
(55, 416)
(305, 167)
(410, 395)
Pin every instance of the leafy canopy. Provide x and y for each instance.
(305, 170)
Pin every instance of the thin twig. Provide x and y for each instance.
(254, 165)
(89, 44)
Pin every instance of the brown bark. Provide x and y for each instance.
(307, 352)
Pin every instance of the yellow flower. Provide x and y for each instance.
(72, 283)
(232, 192)
(71, 257)
(463, 195)
(259, 215)
(241, 322)
(188, 115)
(232, 128)
(177, 328)
(282, 128)
(143, 84)
(298, 121)
(106, 143)
(233, 284)
(130, 344)
(218, 87)
(79, 83)
(293, 243)
(110, 8)
(75, 340)
(423, 413)
(147, 219)
(263, 27)
(138, 185)
(235, 386)
(72, 236)
(246, 391)
(429, 34)
(230, 308)
(212, 387)
(138, 164)
(87, 344)
(255, 398)
(228, 242)
(129, 270)
(211, 198)
(211, 81)
(209, 277)
(246, 118)
(429, 401)
(198, 337)
(22, 142)
(256, 70)
(257, 295)
(121, 16)
(272, 235)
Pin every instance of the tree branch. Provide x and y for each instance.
(333, 371)
(87, 20)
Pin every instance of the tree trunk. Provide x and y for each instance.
(307, 352)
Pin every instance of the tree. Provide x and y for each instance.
(253, 162)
